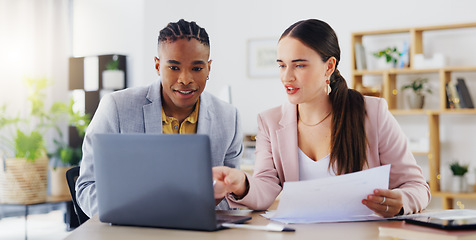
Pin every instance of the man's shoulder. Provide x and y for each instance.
(132, 95)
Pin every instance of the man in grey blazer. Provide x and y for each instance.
(170, 105)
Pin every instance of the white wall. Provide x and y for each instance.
(131, 27)
(110, 26)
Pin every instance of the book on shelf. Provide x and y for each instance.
(360, 58)
(403, 230)
(464, 95)
(449, 98)
(453, 94)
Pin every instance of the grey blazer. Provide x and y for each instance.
(139, 110)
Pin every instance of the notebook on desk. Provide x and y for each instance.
(156, 180)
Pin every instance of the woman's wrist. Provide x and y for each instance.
(242, 192)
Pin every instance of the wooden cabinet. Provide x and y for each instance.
(389, 91)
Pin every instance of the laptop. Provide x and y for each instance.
(157, 180)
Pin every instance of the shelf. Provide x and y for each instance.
(421, 153)
(454, 195)
(416, 29)
(402, 112)
(413, 70)
(388, 90)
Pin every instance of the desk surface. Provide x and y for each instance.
(94, 229)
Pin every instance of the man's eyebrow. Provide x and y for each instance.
(198, 62)
(174, 62)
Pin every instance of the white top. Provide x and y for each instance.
(310, 169)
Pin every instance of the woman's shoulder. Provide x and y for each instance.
(375, 104)
(283, 115)
(278, 111)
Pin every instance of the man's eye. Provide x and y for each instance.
(197, 69)
(174, 68)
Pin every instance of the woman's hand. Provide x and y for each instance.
(386, 203)
(229, 180)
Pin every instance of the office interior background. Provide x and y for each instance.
(38, 37)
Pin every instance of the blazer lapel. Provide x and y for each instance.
(288, 143)
(204, 118)
(153, 110)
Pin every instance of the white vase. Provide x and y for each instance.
(458, 184)
(415, 101)
(113, 79)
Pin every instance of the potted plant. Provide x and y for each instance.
(419, 87)
(66, 156)
(24, 161)
(391, 55)
(113, 77)
(458, 170)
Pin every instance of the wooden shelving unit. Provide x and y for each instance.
(389, 92)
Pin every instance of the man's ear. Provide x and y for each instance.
(209, 65)
(157, 65)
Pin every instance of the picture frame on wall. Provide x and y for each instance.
(262, 54)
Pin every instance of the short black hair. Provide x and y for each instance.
(183, 30)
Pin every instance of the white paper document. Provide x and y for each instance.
(332, 199)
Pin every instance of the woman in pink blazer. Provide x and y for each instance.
(325, 130)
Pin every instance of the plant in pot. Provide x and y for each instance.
(418, 87)
(24, 160)
(459, 182)
(66, 156)
(391, 55)
(113, 77)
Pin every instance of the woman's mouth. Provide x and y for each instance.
(291, 90)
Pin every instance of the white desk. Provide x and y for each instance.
(94, 229)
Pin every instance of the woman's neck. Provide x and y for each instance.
(314, 112)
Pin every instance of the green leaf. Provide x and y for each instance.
(30, 146)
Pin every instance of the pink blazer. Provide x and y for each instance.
(277, 156)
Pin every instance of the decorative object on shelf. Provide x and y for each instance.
(404, 59)
(459, 182)
(24, 162)
(113, 77)
(360, 58)
(391, 55)
(437, 61)
(416, 100)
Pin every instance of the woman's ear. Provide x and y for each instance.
(331, 66)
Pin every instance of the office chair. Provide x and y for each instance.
(71, 176)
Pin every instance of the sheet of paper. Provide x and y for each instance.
(332, 199)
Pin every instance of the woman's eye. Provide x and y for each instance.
(281, 66)
(299, 66)
(174, 68)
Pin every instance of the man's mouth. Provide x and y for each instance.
(185, 91)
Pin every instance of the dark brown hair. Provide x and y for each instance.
(348, 140)
(183, 30)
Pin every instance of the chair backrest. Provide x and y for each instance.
(71, 176)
